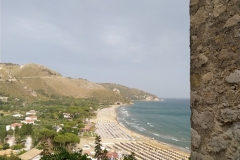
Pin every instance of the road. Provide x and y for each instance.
(28, 143)
(11, 141)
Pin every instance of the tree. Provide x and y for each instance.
(99, 153)
(66, 139)
(17, 147)
(11, 157)
(25, 130)
(5, 146)
(47, 133)
(61, 139)
(45, 147)
(130, 157)
(3, 133)
(62, 153)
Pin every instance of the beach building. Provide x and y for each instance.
(112, 155)
(32, 154)
(31, 112)
(86, 128)
(13, 126)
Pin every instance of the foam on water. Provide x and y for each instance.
(167, 121)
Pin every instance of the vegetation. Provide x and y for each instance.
(131, 93)
(62, 153)
(34, 82)
(11, 157)
(130, 157)
(99, 153)
(50, 116)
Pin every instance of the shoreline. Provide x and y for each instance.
(146, 139)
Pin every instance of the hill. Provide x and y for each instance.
(31, 82)
(131, 93)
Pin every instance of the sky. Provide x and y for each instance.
(141, 44)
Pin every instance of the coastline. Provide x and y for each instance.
(143, 138)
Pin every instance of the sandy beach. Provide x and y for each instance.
(112, 133)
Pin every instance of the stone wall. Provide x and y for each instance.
(215, 79)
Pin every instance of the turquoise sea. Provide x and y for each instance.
(167, 121)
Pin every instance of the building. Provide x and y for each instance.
(32, 112)
(28, 122)
(32, 154)
(86, 128)
(13, 126)
(3, 99)
(17, 115)
(66, 115)
(31, 118)
(112, 155)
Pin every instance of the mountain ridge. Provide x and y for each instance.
(33, 82)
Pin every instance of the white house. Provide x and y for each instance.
(66, 115)
(4, 99)
(31, 118)
(17, 115)
(13, 126)
(32, 112)
(28, 121)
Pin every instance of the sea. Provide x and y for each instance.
(166, 121)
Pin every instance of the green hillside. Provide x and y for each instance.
(33, 82)
(131, 93)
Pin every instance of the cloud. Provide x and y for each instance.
(102, 40)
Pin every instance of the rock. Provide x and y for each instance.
(198, 156)
(204, 119)
(236, 134)
(237, 154)
(218, 8)
(233, 21)
(228, 115)
(195, 139)
(228, 134)
(225, 54)
(199, 48)
(201, 60)
(233, 77)
(236, 33)
(217, 144)
(194, 2)
(195, 80)
(194, 97)
(207, 77)
(199, 17)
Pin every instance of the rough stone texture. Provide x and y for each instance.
(218, 8)
(198, 156)
(215, 79)
(196, 139)
(233, 77)
(233, 21)
(228, 115)
(204, 119)
(217, 144)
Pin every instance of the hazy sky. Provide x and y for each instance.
(141, 44)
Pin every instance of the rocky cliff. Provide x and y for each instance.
(215, 79)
